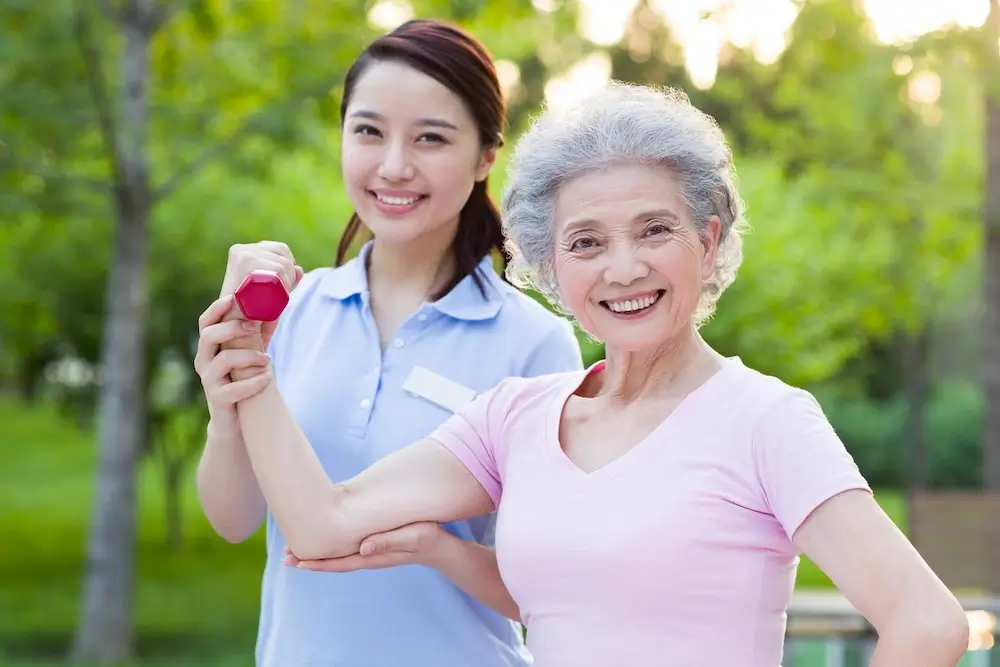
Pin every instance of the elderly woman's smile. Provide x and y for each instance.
(633, 305)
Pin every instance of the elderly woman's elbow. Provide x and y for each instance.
(950, 627)
(318, 542)
(321, 542)
(325, 535)
(940, 625)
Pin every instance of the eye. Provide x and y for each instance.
(657, 229)
(367, 131)
(583, 243)
(432, 138)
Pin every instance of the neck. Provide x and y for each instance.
(669, 370)
(417, 269)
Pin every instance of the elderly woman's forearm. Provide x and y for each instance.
(299, 494)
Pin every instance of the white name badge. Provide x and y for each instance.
(438, 390)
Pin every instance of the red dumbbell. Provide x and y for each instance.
(261, 296)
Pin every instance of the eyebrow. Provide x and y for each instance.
(645, 215)
(427, 122)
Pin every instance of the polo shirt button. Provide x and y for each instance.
(398, 342)
(422, 317)
(365, 403)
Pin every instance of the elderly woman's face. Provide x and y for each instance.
(629, 261)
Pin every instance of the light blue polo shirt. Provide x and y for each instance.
(348, 398)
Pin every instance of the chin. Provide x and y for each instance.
(397, 231)
(634, 344)
(634, 337)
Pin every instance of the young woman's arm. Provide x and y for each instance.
(473, 568)
(227, 488)
(470, 566)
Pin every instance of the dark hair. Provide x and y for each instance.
(460, 63)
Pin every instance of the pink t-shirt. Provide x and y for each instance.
(677, 553)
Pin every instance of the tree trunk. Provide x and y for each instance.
(105, 625)
(991, 224)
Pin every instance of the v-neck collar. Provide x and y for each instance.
(688, 406)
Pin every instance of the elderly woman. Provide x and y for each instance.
(652, 508)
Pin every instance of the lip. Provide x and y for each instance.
(402, 194)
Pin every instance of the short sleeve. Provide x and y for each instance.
(801, 462)
(556, 352)
(472, 435)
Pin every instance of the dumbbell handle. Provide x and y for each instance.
(262, 296)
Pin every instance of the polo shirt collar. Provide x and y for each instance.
(464, 302)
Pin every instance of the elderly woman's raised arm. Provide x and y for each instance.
(320, 519)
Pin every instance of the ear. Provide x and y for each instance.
(710, 242)
(486, 162)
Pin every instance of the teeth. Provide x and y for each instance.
(396, 201)
(632, 305)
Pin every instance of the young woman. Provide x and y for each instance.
(379, 351)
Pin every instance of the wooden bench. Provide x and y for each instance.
(958, 534)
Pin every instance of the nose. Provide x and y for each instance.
(625, 265)
(395, 165)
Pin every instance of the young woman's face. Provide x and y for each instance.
(410, 154)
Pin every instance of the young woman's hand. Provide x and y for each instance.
(415, 544)
(214, 365)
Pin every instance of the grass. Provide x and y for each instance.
(199, 601)
(218, 661)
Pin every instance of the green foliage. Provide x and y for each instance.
(864, 204)
(243, 145)
(861, 221)
(808, 295)
(874, 433)
(852, 238)
(54, 272)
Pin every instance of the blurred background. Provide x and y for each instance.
(139, 139)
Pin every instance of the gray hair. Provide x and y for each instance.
(621, 124)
